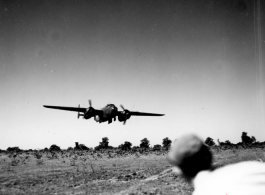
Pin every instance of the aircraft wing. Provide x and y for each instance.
(75, 109)
(144, 114)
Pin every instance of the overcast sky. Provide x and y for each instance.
(193, 61)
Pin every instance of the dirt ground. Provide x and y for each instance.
(28, 173)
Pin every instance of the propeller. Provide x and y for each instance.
(90, 103)
(90, 106)
(90, 110)
(126, 113)
(78, 115)
(122, 107)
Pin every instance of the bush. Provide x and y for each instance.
(126, 146)
(55, 148)
(80, 147)
(227, 142)
(209, 141)
(13, 149)
(69, 148)
(157, 147)
(83, 147)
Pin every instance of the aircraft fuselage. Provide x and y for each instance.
(110, 112)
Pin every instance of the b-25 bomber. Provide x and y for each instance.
(108, 113)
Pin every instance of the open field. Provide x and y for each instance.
(83, 172)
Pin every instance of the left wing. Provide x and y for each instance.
(144, 114)
(134, 113)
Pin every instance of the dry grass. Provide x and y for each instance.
(233, 156)
(87, 173)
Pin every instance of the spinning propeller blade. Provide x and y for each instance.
(126, 112)
(78, 114)
(122, 107)
(90, 103)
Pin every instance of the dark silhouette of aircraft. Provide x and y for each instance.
(109, 112)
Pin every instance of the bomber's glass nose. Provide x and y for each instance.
(113, 107)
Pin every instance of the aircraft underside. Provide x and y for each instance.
(104, 119)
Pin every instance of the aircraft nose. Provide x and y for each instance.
(114, 108)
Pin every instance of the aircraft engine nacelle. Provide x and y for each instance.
(124, 116)
(87, 116)
(121, 118)
(89, 113)
(97, 118)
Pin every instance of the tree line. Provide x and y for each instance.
(247, 141)
(104, 144)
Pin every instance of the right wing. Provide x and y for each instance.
(75, 109)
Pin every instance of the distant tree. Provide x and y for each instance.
(157, 147)
(144, 143)
(209, 141)
(13, 149)
(253, 139)
(54, 148)
(80, 146)
(126, 146)
(77, 146)
(246, 139)
(166, 143)
(104, 144)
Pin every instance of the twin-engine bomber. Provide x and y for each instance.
(108, 113)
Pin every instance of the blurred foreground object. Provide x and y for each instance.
(193, 159)
(190, 155)
(244, 178)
